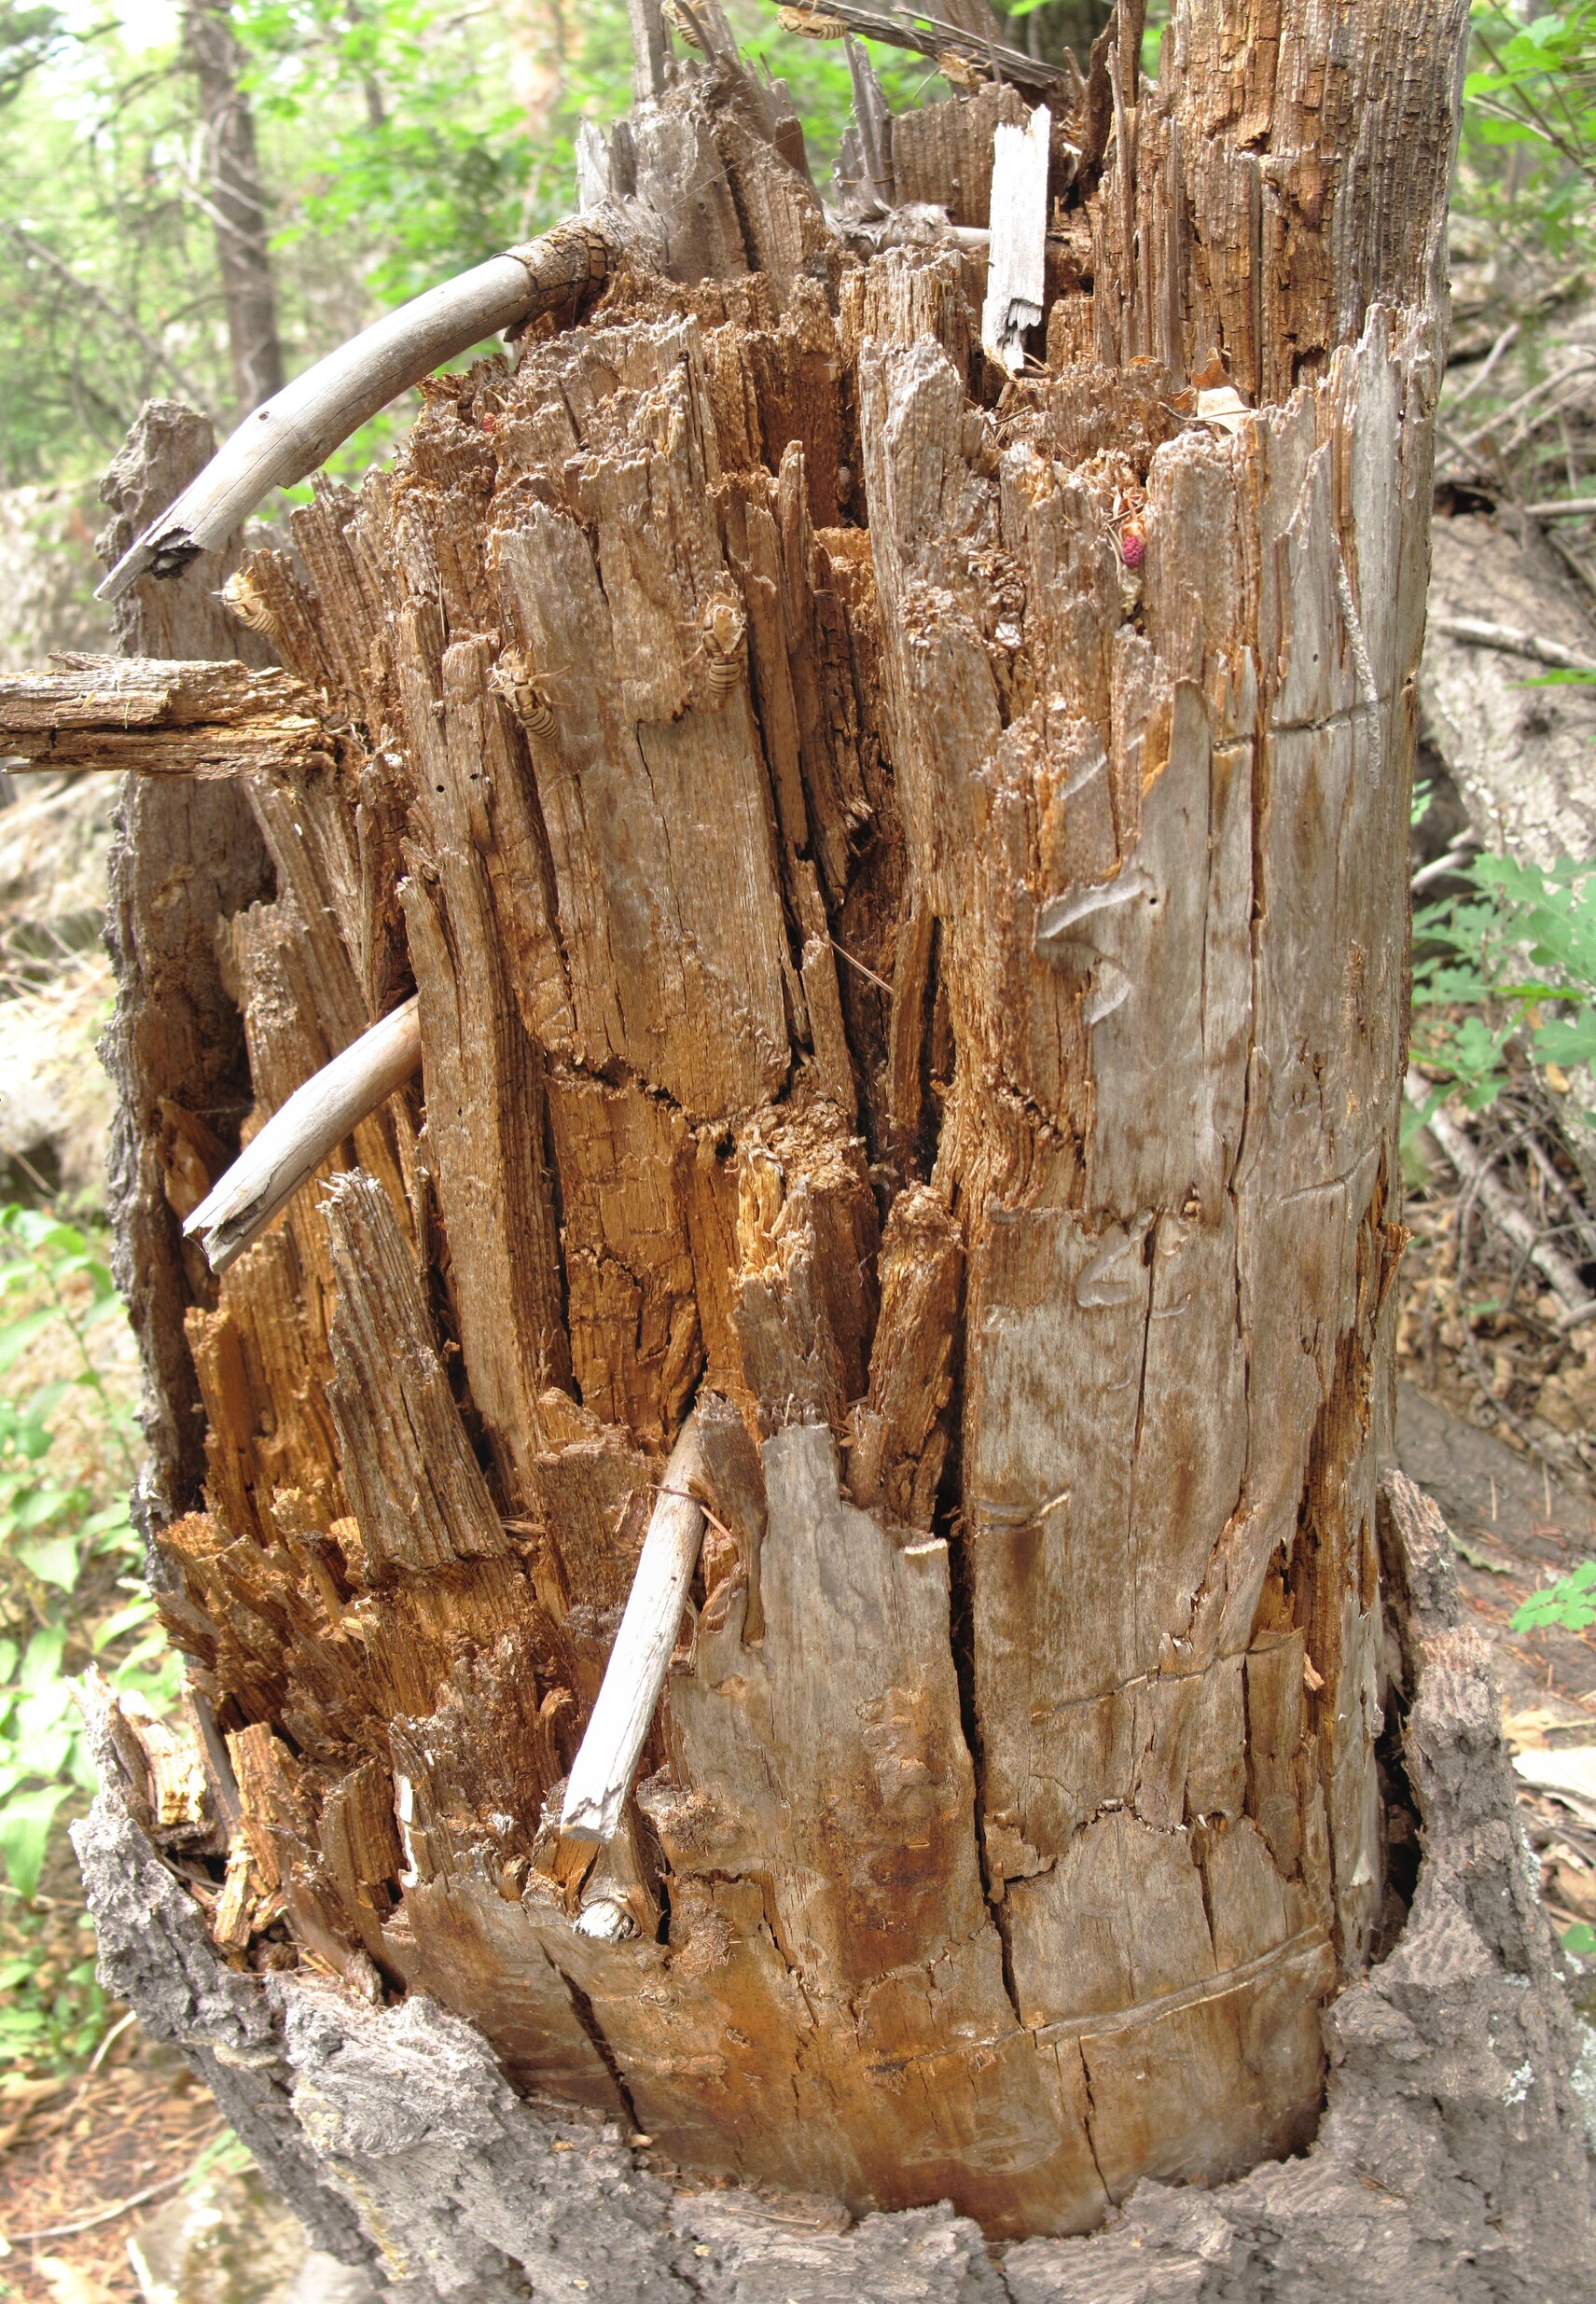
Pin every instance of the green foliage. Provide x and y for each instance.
(1571, 1603)
(69, 1594)
(28, 35)
(399, 141)
(1529, 115)
(1470, 995)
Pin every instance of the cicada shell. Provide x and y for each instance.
(723, 630)
(516, 681)
(812, 23)
(242, 597)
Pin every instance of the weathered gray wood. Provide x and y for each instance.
(1016, 255)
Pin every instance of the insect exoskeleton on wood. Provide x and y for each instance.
(812, 23)
(959, 72)
(681, 18)
(516, 683)
(724, 627)
(242, 597)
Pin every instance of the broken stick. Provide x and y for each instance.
(298, 1137)
(602, 1772)
(299, 428)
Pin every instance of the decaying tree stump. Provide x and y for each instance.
(902, 869)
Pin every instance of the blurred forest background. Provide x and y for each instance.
(199, 198)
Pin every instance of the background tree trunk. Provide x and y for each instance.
(236, 201)
(904, 874)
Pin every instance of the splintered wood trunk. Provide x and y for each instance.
(903, 870)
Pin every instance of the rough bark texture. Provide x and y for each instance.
(186, 856)
(1450, 2168)
(905, 878)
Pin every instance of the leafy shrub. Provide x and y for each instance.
(1471, 996)
(70, 1592)
(1571, 1602)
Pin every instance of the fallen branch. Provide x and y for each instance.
(602, 1772)
(1526, 399)
(298, 1138)
(928, 36)
(297, 430)
(1483, 373)
(1562, 507)
(1475, 633)
(158, 718)
(1475, 1170)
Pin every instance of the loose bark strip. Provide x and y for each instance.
(299, 426)
(187, 855)
(299, 1135)
(162, 720)
(602, 1773)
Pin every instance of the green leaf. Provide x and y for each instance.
(44, 1753)
(25, 1822)
(52, 1559)
(124, 1620)
(41, 1664)
(17, 1335)
(1580, 1940)
(1570, 1603)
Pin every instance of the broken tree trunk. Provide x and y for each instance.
(902, 873)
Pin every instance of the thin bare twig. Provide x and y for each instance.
(1526, 399)
(1483, 373)
(1476, 632)
(102, 2216)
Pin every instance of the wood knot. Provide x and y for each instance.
(725, 628)
(514, 678)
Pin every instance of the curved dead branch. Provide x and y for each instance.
(299, 428)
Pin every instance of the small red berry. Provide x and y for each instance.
(1133, 543)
